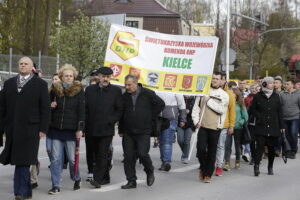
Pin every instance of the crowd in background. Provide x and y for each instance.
(255, 118)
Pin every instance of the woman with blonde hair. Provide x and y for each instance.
(67, 124)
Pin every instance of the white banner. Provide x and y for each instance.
(170, 63)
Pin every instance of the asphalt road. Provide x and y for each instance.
(181, 183)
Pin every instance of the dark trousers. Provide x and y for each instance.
(90, 154)
(261, 142)
(252, 143)
(133, 146)
(207, 149)
(22, 186)
(291, 132)
(101, 148)
(237, 135)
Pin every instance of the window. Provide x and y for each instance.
(134, 24)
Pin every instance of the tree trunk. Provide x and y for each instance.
(47, 27)
(27, 28)
(36, 35)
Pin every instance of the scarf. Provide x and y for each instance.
(20, 84)
(65, 85)
(268, 92)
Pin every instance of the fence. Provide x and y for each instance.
(9, 66)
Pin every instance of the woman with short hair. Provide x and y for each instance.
(67, 124)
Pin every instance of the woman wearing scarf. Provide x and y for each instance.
(269, 124)
(67, 124)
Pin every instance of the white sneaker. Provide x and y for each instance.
(185, 161)
(246, 157)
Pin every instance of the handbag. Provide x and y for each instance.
(286, 148)
(158, 125)
(246, 136)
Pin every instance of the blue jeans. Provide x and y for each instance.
(166, 142)
(184, 140)
(22, 185)
(49, 148)
(291, 131)
(247, 149)
(57, 162)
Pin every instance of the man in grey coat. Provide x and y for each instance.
(290, 101)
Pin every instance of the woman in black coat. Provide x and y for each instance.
(266, 108)
(67, 124)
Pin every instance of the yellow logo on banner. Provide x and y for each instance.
(125, 46)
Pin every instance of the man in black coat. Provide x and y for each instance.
(141, 108)
(25, 111)
(104, 108)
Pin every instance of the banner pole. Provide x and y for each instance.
(196, 134)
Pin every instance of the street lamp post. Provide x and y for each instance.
(228, 39)
(59, 23)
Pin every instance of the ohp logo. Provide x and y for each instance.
(125, 46)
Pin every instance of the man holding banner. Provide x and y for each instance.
(214, 108)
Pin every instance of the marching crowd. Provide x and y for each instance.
(257, 119)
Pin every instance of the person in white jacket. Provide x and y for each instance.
(175, 112)
(209, 114)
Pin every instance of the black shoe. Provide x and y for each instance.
(256, 170)
(290, 155)
(105, 182)
(19, 197)
(34, 185)
(165, 167)
(129, 185)
(270, 171)
(77, 185)
(54, 190)
(150, 179)
(95, 184)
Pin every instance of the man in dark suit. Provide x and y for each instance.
(141, 108)
(104, 108)
(25, 111)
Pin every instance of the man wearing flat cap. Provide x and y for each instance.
(104, 108)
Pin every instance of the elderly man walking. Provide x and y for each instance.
(141, 108)
(25, 109)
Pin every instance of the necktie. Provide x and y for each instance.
(23, 79)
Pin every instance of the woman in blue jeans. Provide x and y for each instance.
(184, 134)
(55, 79)
(67, 124)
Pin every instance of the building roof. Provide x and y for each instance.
(131, 8)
